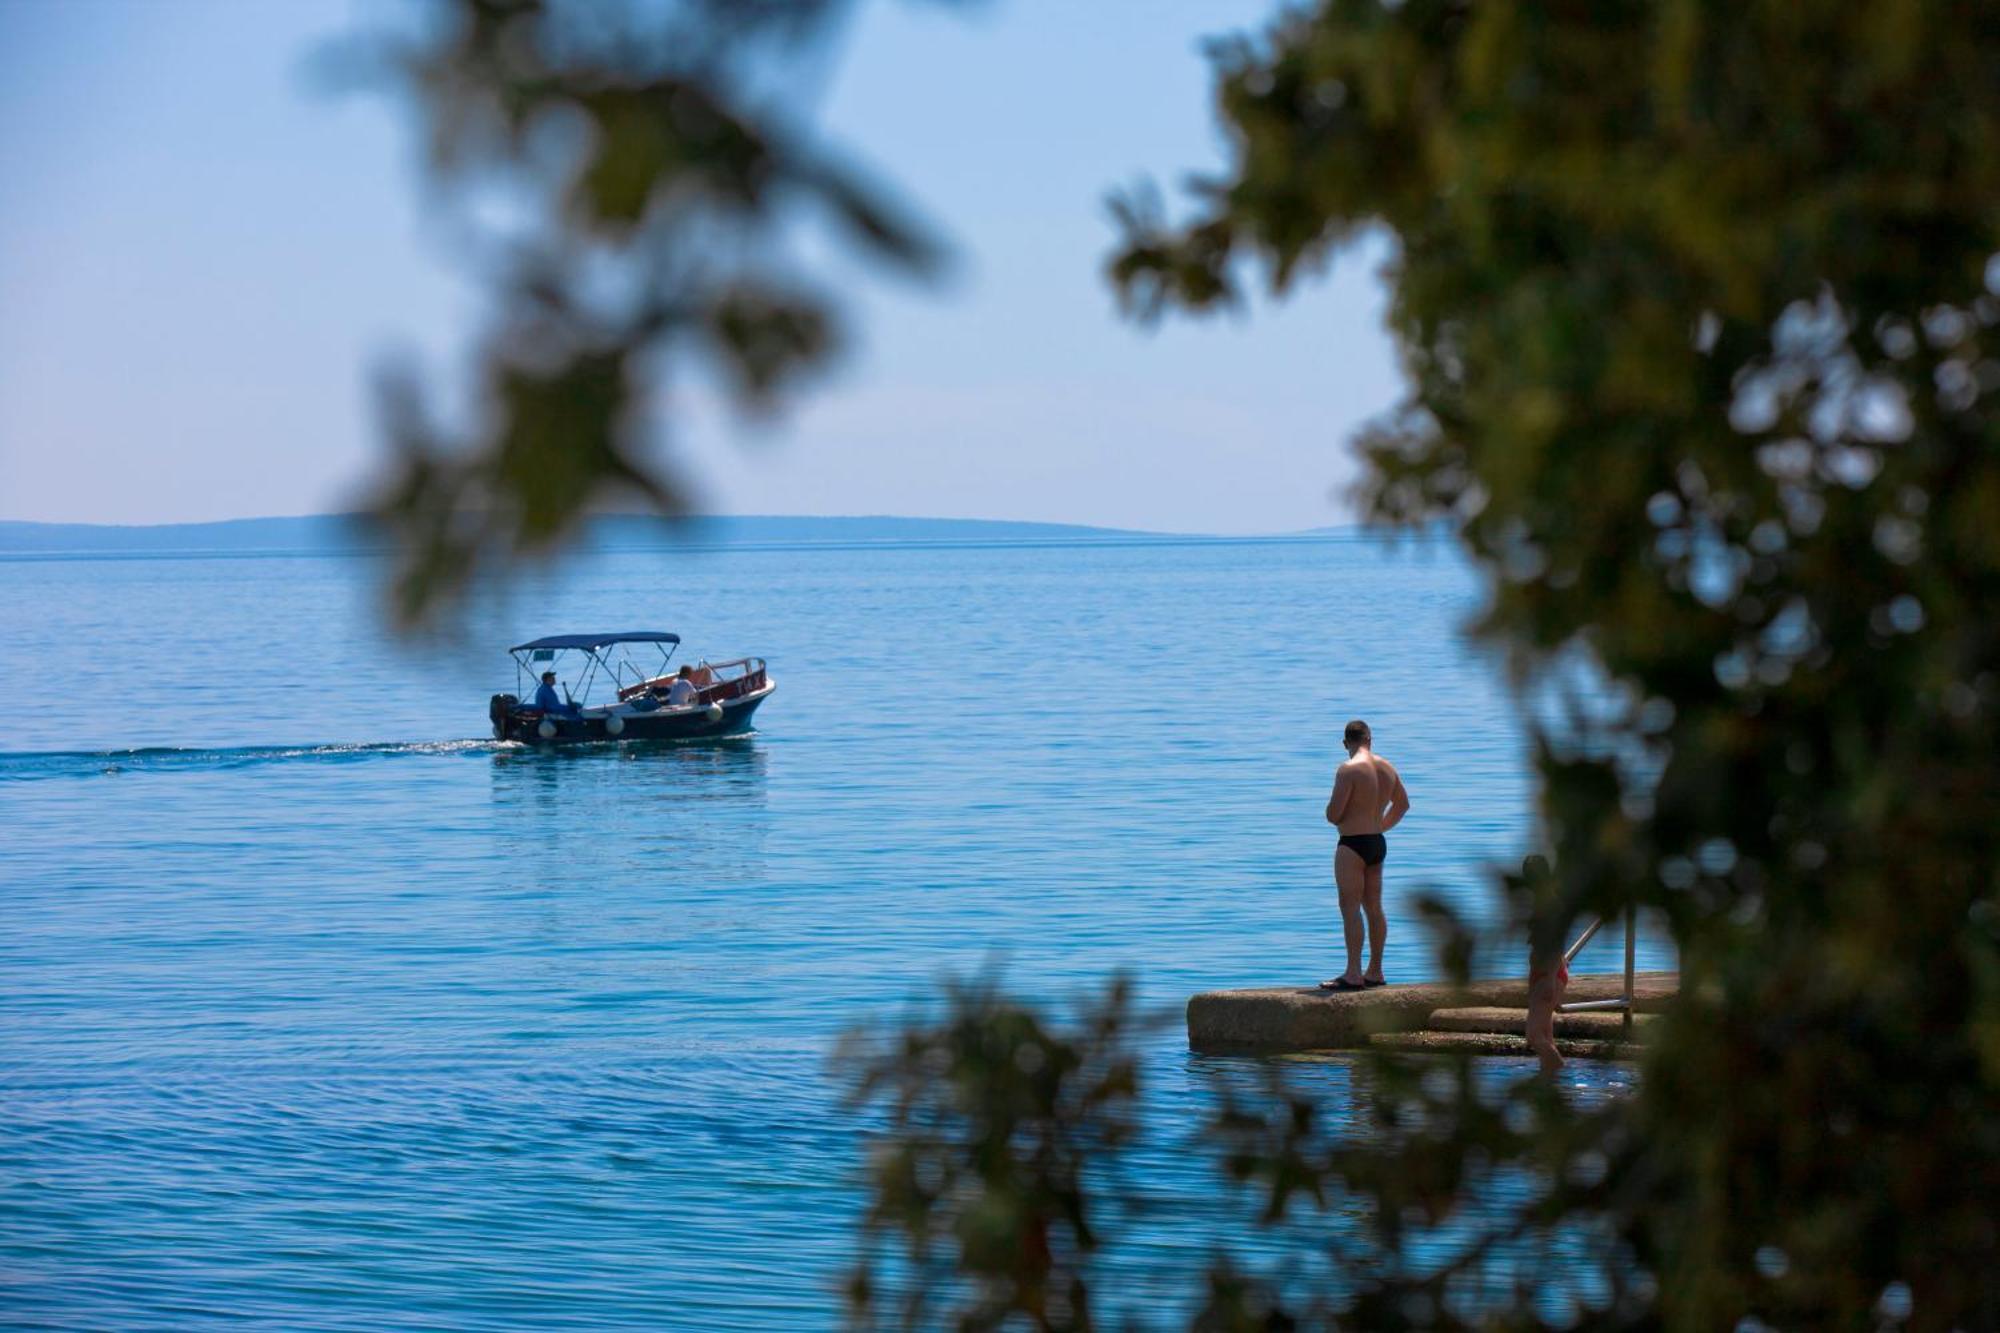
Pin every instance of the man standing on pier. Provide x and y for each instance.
(1368, 800)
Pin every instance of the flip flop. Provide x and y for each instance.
(1341, 983)
(1382, 982)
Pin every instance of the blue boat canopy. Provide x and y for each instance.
(592, 642)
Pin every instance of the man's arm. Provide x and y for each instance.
(1399, 803)
(1343, 792)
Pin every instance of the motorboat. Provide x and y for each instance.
(642, 699)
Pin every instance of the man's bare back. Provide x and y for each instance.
(1368, 800)
(1366, 788)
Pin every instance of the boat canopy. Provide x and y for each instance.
(592, 642)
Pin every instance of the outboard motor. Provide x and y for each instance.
(497, 709)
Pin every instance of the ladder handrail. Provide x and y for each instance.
(1623, 1001)
(1569, 954)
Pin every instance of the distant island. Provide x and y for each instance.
(343, 533)
(323, 534)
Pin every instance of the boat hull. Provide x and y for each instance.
(729, 717)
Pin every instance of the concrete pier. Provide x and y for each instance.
(1284, 1019)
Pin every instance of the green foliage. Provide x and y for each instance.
(992, 1118)
(1699, 306)
(624, 178)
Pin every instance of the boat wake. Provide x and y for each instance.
(29, 766)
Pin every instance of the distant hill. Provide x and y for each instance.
(324, 532)
(630, 531)
(334, 533)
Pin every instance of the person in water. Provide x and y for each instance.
(1368, 800)
(549, 701)
(1548, 978)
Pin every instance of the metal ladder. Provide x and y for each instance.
(1620, 1002)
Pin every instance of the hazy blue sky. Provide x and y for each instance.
(201, 257)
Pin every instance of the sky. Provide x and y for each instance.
(204, 257)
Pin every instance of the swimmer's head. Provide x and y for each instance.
(1356, 735)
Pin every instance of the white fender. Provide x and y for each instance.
(546, 729)
(715, 712)
(613, 724)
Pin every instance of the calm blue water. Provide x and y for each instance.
(320, 1010)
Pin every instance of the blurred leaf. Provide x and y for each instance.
(624, 179)
(1692, 300)
(993, 1119)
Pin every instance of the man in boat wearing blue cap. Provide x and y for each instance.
(1368, 800)
(551, 702)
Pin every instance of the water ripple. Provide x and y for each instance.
(452, 1034)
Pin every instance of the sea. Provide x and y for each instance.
(321, 1009)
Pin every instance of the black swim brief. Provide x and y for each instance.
(1370, 847)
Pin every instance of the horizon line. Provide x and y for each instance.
(357, 516)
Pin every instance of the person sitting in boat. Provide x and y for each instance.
(703, 676)
(684, 689)
(549, 701)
